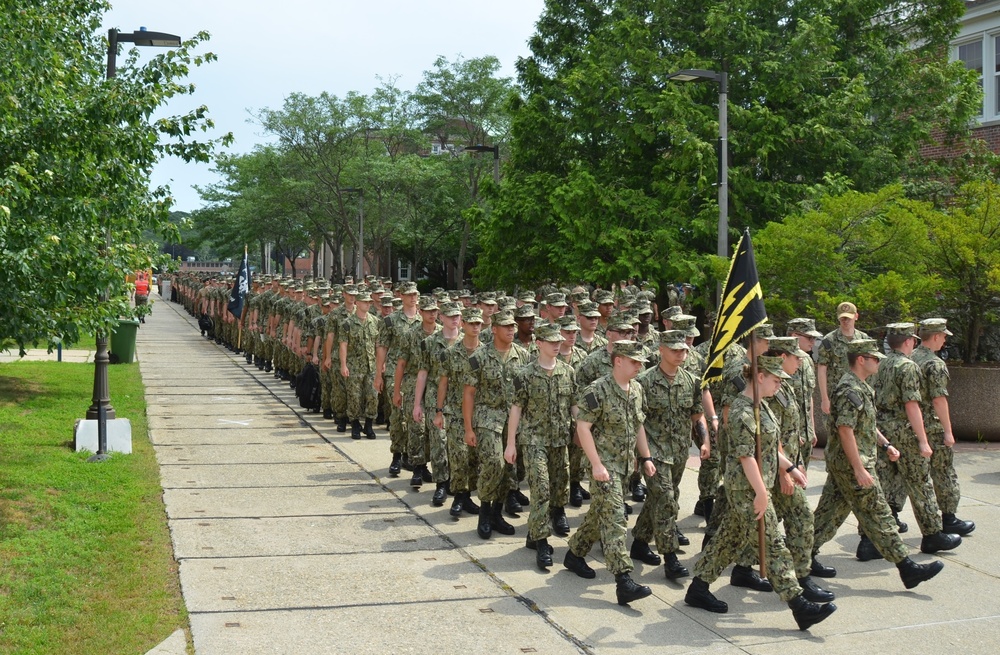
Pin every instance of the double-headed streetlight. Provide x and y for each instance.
(722, 79)
(100, 408)
(496, 158)
(360, 258)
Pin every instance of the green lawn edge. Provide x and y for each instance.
(86, 561)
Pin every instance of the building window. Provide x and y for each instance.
(971, 54)
(404, 271)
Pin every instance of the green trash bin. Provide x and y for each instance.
(123, 342)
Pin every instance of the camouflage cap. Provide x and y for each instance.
(674, 339)
(579, 296)
(935, 325)
(846, 309)
(503, 319)
(671, 311)
(472, 315)
(643, 307)
(646, 295)
(464, 293)
(556, 299)
(765, 331)
(865, 347)
(376, 288)
(548, 332)
(788, 345)
(527, 296)
(589, 309)
(506, 303)
(902, 329)
(450, 309)
(619, 323)
(487, 298)
(427, 303)
(806, 326)
(407, 288)
(604, 297)
(454, 294)
(350, 289)
(524, 311)
(630, 349)
(386, 301)
(772, 365)
(686, 323)
(568, 323)
(397, 302)
(364, 296)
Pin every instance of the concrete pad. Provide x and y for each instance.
(319, 451)
(175, 644)
(118, 437)
(229, 421)
(235, 435)
(500, 626)
(311, 535)
(218, 407)
(316, 581)
(317, 474)
(333, 500)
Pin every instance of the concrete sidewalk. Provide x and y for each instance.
(292, 539)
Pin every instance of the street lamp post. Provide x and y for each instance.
(496, 158)
(359, 264)
(722, 78)
(100, 408)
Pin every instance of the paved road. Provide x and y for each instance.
(292, 538)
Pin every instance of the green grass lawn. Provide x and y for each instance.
(86, 564)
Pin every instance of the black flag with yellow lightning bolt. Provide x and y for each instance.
(741, 309)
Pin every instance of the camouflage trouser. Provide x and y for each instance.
(794, 511)
(362, 401)
(493, 481)
(266, 347)
(326, 386)
(943, 474)
(417, 446)
(738, 532)
(249, 342)
(893, 487)
(438, 439)
(517, 473)
(658, 517)
(750, 556)
(339, 388)
(605, 522)
(708, 474)
(577, 463)
(676, 473)
(915, 472)
(841, 496)
(548, 480)
(462, 459)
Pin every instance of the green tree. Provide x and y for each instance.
(613, 166)
(75, 162)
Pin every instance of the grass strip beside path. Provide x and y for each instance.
(86, 564)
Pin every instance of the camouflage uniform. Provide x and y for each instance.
(410, 347)
(738, 531)
(390, 337)
(431, 350)
(463, 461)
(852, 404)
(897, 382)
(360, 337)
(833, 355)
(491, 373)
(935, 385)
(615, 417)
(669, 407)
(803, 384)
(545, 399)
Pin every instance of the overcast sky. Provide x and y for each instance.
(270, 49)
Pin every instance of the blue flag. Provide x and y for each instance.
(238, 295)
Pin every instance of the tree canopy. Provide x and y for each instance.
(75, 159)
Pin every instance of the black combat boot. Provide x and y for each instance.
(355, 429)
(418, 479)
(673, 568)
(699, 596)
(641, 551)
(744, 576)
(819, 570)
(327, 413)
(426, 473)
(814, 592)
(341, 424)
(369, 430)
(497, 521)
(913, 574)
(394, 467)
(808, 613)
(456, 504)
(955, 525)
(578, 565)
(867, 550)
(699, 507)
(627, 590)
(932, 543)
(267, 366)
(440, 493)
(901, 527)
(511, 506)
(576, 494)
(522, 500)
(681, 537)
(484, 529)
(543, 554)
(638, 491)
(709, 505)
(468, 504)
(559, 523)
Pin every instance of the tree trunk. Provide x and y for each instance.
(460, 267)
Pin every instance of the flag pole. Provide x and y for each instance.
(243, 310)
(758, 454)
